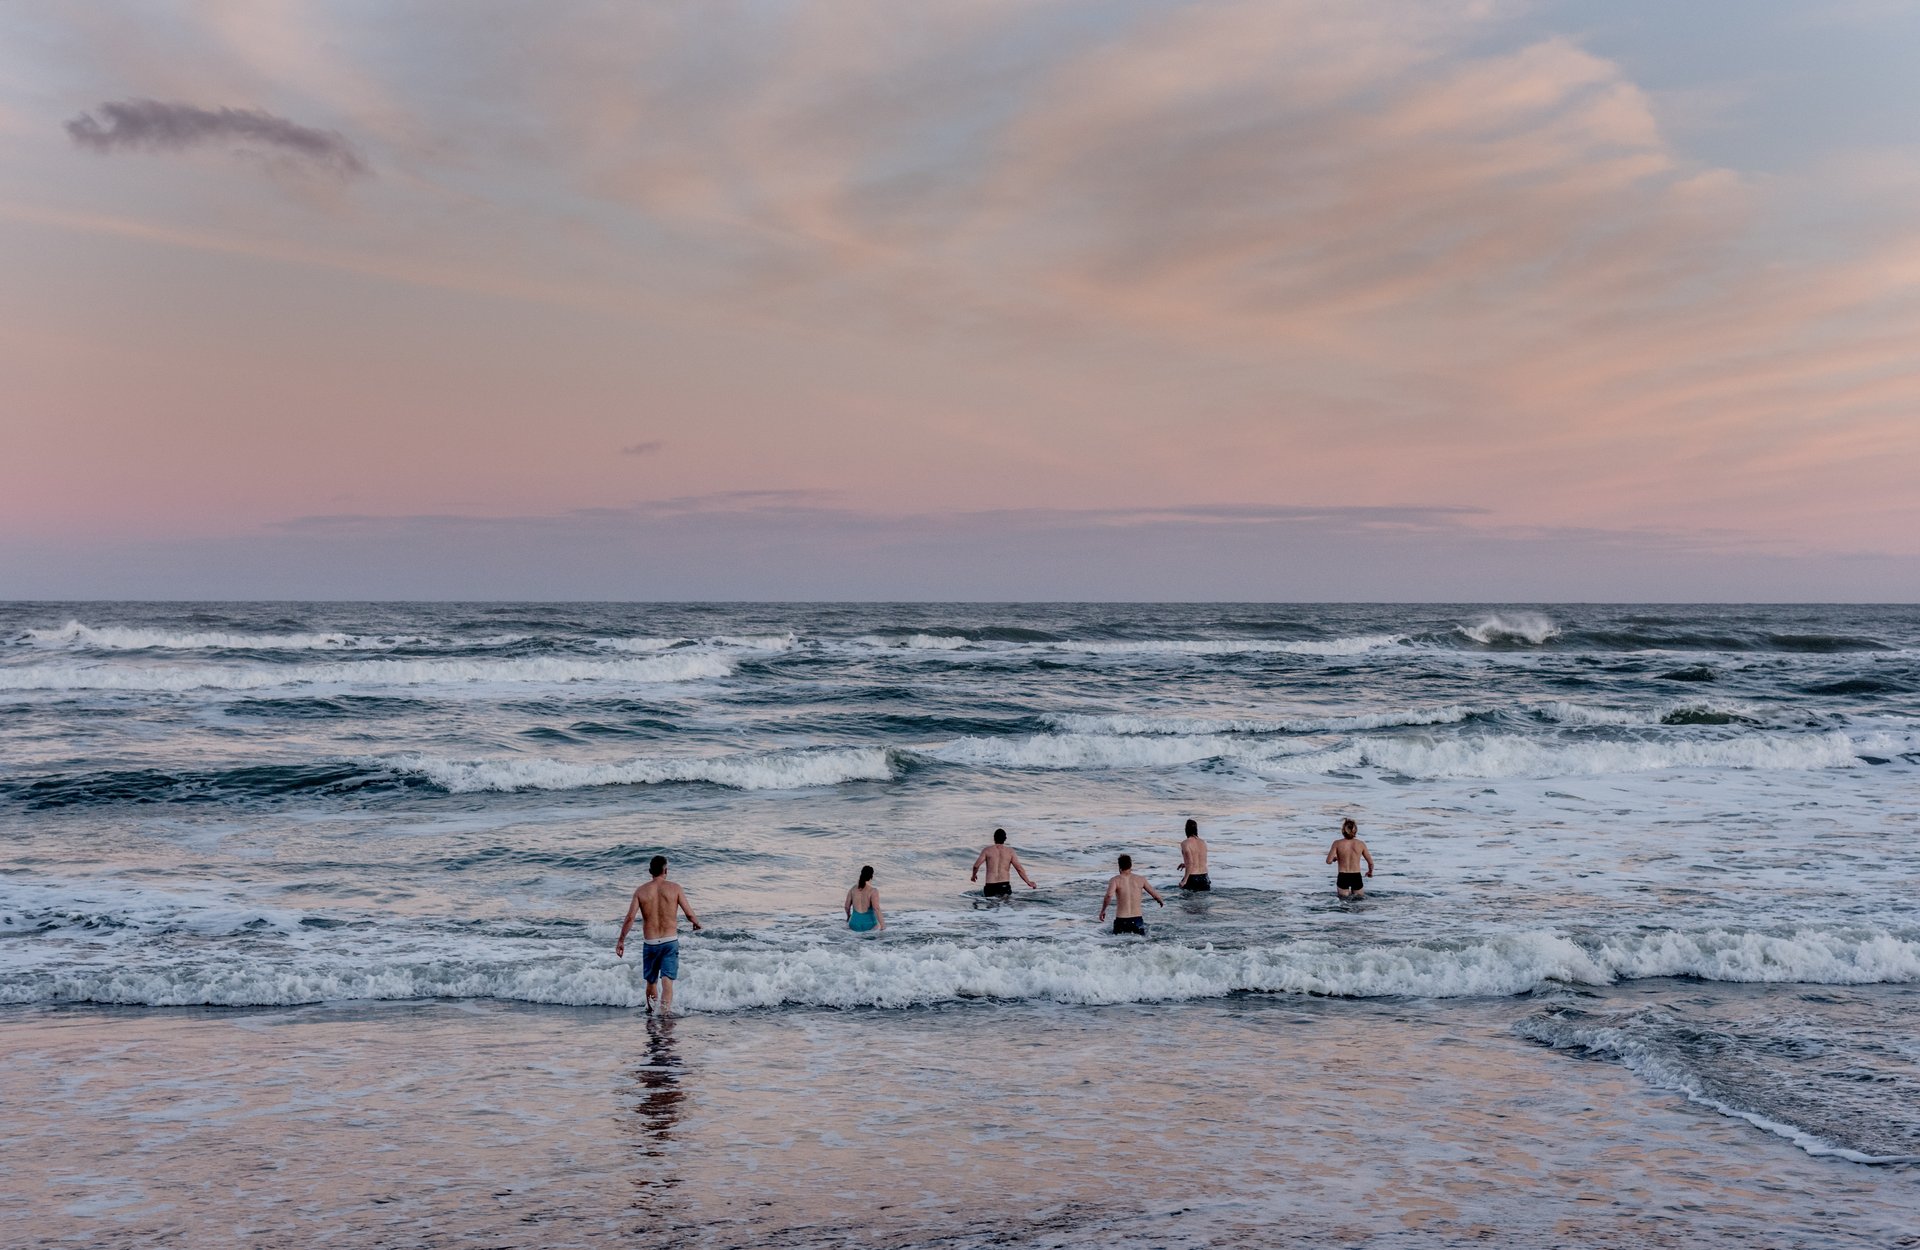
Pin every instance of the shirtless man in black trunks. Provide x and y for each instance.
(1123, 890)
(1347, 851)
(1193, 860)
(1000, 860)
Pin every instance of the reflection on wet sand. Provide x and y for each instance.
(1250, 1122)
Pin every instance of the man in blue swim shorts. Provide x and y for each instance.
(658, 903)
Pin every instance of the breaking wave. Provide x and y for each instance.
(177, 677)
(738, 972)
(760, 770)
(1495, 756)
(1072, 722)
(1528, 628)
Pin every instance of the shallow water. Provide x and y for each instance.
(1242, 1122)
(1662, 859)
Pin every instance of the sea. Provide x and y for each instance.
(307, 917)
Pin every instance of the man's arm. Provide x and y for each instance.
(1148, 887)
(626, 926)
(1184, 870)
(1366, 855)
(1022, 870)
(978, 860)
(1111, 887)
(1332, 851)
(690, 916)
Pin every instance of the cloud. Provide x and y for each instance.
(159, 126)
(647, 448)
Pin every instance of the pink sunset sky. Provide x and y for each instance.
(1278, 300)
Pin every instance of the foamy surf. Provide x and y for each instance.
(905, 971)
(161, 678)
(759, 770)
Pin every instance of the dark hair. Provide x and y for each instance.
(1126, 862)
(866, 875)
(999, 835)
(658, 865)
(1193, 828)
(1348, 828)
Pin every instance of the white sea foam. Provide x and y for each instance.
(76, 636)
(1358, 645)
(1068, 751)
(733, 975)
(364, 673)
(1566, 713)
(1639, 1043)
(1072, 722)
(1527, 627)
(759, 770)
(1500, 755)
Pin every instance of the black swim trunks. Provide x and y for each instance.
(1136, 925)
(998, 889)
(1350, 881)
(1197, 881)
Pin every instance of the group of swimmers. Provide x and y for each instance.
(660, 902)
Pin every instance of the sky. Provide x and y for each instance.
(1285, 300)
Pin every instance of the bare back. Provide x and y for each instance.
(998, 861)
(1193, 855)
(1349, 853)
(1125, 889)
(659, 900)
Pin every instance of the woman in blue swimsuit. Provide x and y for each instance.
(863, 905)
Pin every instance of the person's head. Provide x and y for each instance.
(1193, 828)
(1126, 863)
(866, 873)
(658, 866)
(999, 837)
(1348, 829)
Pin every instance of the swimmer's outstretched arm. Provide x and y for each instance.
(690, 916)
(1332, 854)
(978, 860)
(1156, 894)
(1368, 856)
(1022, 870)
(1112, 886)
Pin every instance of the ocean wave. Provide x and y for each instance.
(1357, 645)
(1529, 628)
(1821, 1112)
(1080, 723)
(744, 642)
(760, 770)
(1686, 712)
(1100, 751)
(176, 677)
(902, 971)
(78, 636)
(1497, 756)
(212, 785)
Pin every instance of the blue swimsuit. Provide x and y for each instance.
(861, 921)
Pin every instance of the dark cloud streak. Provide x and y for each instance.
(159, 126)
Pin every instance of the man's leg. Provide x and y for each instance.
(666, 995)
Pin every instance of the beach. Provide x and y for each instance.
(307, 916)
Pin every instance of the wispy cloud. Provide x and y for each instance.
(646, 448)
(160, 126)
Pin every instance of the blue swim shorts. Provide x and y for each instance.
(661, 959)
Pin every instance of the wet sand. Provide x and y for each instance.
(1253, 1121)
